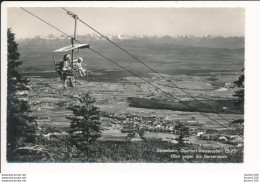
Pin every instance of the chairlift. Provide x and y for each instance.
(58, 63)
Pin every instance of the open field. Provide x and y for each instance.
(112, 98)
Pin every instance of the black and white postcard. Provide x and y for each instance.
(135, 83)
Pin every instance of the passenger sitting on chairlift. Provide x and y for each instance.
(66, 69)
(79, 65)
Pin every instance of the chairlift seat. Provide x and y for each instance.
(58, 68)
(58, 63)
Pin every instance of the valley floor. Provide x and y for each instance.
(48, 101)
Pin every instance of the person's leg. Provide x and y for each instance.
(80, 72)
(64, 83)
(84, 72)
(64, 80)
(72, 80)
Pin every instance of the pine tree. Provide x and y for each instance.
(182, 131)
(240, 92)
(84, 123)
(21, 127)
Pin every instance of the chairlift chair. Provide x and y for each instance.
(58, 62)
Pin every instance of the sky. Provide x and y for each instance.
(130, 21)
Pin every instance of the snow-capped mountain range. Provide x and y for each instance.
(118, 36)
(203, 41)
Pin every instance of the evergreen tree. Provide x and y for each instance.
(240, 92)
(21, 127)
(238, 124)
(84, 123)
(182, 131)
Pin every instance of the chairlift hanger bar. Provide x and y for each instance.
(75, 17)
